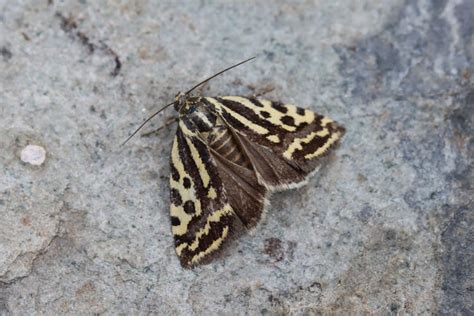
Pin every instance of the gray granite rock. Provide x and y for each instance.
(385, 227)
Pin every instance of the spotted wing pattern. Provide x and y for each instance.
(201, 216)
(283, 142)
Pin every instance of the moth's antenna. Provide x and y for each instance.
(187, 92)
(146, 121)
(220, 72)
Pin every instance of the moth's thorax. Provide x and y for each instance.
(203, 119)
(183, 104)
(216, 133)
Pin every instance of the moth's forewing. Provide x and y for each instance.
(283, 142)
(201, 216)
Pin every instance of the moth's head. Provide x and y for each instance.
(184, 104)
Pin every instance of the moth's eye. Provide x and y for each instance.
(192, 109)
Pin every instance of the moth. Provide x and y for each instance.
(229, 154)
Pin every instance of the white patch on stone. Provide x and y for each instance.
(33, 154)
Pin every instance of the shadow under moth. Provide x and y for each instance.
(229, 154)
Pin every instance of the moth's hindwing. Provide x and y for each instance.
(201, 216)
(283, 142)
(246, 195)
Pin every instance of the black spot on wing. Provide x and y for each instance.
(256, 102)
(176, 197)
(288, 120)
(280, 107)
(265, 114)
(175, 221)
(189, 207)
(186, 182)
(300, 111)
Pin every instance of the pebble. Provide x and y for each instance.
(33, 154)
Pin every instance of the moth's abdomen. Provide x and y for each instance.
(222, 141)
(218, 136)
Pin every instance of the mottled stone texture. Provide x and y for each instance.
(386, 226)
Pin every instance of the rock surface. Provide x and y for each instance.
(386, 227)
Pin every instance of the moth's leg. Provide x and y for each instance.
(168, 122)
(259, 91)
(201, 89)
